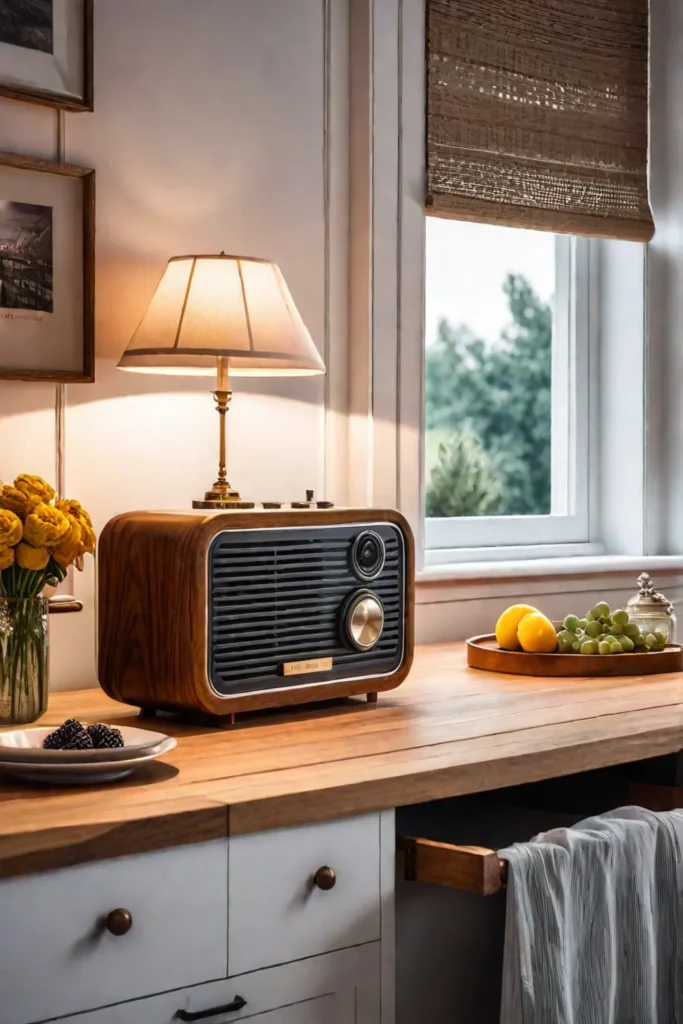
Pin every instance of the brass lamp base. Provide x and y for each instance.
(221, 494)
(198, 503)
(219, 499)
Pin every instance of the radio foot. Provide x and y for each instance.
(371, 697)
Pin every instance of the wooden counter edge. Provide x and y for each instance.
(422, 786)
(32, 852)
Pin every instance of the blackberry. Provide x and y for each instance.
(81, 741)
(104, 736)
(66, 733)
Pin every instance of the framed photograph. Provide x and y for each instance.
(47, 270)
(46, 52)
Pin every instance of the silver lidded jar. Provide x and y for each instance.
(651, 610)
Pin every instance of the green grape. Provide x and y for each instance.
(564, 647)
(660, 637)
(620, 616)
(615, 648)
(651, 641)
(616, 629)
(626, 644)
(641, 649)
(576, 646)
(593, 629)
(606, 620)
(582, 624)
(571, 623)
(632, 629)
(604, 647)
(589, 617)
(565, 634)
(589, 647)
(601, 610)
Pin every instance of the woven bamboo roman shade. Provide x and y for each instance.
(537, 114)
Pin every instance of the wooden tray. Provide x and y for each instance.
(484, 652)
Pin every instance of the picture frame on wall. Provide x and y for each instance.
(47, 270)
(46, 52)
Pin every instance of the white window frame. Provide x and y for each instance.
(618, 503)
(452, 539)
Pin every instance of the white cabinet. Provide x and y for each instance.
(228, 930)
(279, 914)
(57, 955)
(323, 1010)
(339, 988)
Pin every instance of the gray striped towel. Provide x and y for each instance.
(594, 925)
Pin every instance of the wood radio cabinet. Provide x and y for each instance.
(234, 611)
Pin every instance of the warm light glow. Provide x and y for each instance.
(240, 309)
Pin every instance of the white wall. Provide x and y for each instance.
(211, 131)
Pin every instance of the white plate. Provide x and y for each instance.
(26, 746)
(82, 774)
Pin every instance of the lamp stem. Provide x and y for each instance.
(222, 396)
(221, 494)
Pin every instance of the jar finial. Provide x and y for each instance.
(646, 584)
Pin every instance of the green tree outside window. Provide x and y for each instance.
(488, 415)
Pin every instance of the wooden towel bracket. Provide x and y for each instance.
(473, 868)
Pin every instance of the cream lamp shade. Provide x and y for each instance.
(221, 316)
(229, 307)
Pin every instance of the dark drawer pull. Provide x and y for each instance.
(325, 878)
(119, 921)
(237, 1004)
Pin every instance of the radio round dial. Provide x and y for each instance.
(368, 555)
(364, 620)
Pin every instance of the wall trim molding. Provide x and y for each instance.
(335, 113)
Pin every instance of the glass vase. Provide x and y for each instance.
(23, 659)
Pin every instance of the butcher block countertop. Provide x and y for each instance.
(448, 730)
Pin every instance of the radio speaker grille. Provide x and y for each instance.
(278, 596)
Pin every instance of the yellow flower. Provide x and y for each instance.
(6, 558)
(10, 528)
(45, 526)
(87, 539)
(70, 549)
(71, 507)
(29, 557)
(16, 501)
(34, 487)
(75, 512)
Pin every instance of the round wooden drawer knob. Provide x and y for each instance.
(325, 878)
(119, 921)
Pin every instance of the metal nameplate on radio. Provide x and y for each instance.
(300, 668)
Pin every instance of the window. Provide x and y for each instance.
(507, 355)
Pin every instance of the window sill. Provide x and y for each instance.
(475, 580)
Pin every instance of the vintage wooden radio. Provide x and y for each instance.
(223, 612)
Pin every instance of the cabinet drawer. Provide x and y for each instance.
(340, 988)
(277, 913)
(58, 957)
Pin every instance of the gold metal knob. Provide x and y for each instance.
(325, 878)
(119, 921)
(364, 620)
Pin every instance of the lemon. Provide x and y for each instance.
(506, 627)
(537, 634)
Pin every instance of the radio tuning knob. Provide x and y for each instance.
(364, 620)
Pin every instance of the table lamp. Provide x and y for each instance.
(223, 315)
